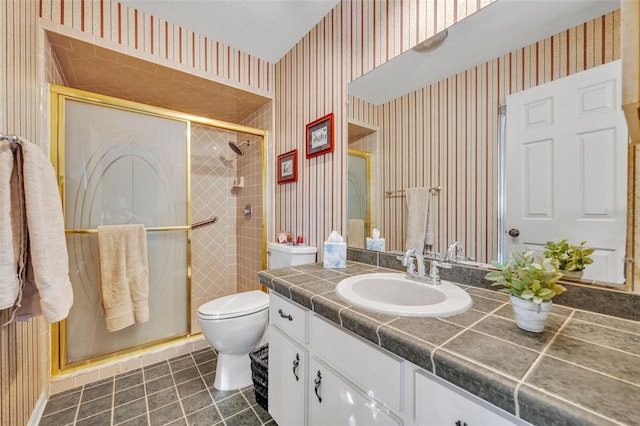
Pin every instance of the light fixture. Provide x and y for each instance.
(431, 43)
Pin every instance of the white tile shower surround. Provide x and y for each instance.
(178, 391)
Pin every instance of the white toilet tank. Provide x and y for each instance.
(281, 255)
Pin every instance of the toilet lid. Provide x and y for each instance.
(235, 305)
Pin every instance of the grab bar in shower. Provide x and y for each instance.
(204, 222)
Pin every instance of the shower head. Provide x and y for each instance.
(236, 147)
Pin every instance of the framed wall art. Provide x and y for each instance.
(320, 136)
(288, 167)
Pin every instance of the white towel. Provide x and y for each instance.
(355, 234)
(124, 275)
(420, 230)
(430, 238)
(11, 228)
(46, 286)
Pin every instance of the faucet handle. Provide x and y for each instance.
(432, 255)
(438, 264)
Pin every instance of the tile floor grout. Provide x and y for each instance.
(190, 392)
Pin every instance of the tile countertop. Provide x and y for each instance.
(584, 369)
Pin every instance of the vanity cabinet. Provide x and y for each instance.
(288, 361)
(335, 401)
(440, 403)
(321, 374)
(325, 393)
(288, 372)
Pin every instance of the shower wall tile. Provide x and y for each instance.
(213, 247)
(249, 232)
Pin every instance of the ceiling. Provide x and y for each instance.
(267, 29)
(499, 28)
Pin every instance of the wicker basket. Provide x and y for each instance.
(260, 374)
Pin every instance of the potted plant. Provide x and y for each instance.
(531, 283)
(570, 259)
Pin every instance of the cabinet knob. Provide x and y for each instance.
(513, 232)
(296, 364)
(282, 315)
(318, 382)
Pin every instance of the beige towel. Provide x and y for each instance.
(44, 262)
(124, 275)
(420, 232)
(355, 235)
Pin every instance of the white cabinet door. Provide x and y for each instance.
(287, 380)
(437, 404)
(333, 401)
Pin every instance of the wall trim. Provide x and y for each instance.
(36, 414)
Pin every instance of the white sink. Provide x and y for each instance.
(394, 294)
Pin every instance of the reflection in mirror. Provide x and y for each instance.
(363, 205)
(565, 170)
(444, 132)
(358, 212)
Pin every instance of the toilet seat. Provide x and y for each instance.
(234, 305)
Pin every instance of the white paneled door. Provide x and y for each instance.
(566, 161)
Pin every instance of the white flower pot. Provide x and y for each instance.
(530, 316)
(576, 275)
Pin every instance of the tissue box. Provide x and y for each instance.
(377, 244)
(335, 255)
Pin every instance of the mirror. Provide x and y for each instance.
(433, 117)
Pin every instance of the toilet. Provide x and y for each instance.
(234, 325)
(283, 255)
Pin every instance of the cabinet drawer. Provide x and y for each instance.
(288, 317)
(333, 401)
(366, 365)
(440, 403)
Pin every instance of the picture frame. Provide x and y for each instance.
(287, 166)
(320, 136)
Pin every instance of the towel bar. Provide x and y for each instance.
(151, 229)
(434, 190)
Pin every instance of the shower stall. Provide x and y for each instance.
(121, 162)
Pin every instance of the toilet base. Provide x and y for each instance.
(233, 372)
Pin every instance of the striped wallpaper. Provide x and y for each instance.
(446, 133)
(151, 38)
(23, 346)
(310, 82)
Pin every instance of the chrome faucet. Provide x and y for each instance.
(434, 276)
(408, 262)
(434, 273)
(455, 252)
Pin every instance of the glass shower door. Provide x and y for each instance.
(124, 166)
